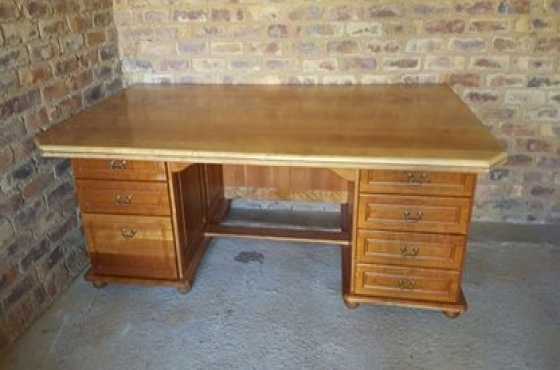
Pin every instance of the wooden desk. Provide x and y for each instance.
(150, 187)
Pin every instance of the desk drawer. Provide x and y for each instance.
(131, 246)
(123, 197)
(119, 170)
(414, 213)
(407, 283)
(417, 182)
(411, 249)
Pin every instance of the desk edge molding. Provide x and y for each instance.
(457, 165)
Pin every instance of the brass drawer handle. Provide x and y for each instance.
(418, 178)
(118, 164)
(413, 252)
(128, 233)
(406, 284)
(123, 199)
(408, 217)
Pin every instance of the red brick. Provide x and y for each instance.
(445, 26)
(343, 47)
(548, 45)
(81, 80)
(476, 7)
(55, 91)
(35, 121)
(44, 51)
(65, 107)
(384, 11)
(80, 23)
(197, 15)
(38, 73)
(514, 6)
(53, 27)
(278, 30)
(65, 67)
(95, 38)
(20, 289)
(37, 8)
(463, 79)
(13, 57)
(481, 97)
(23, 149)
(64, 7)
(37, 185)
(8, 10)
(489, 25)
(6, 158)
(19, 104)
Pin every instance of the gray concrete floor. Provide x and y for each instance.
(269, 305)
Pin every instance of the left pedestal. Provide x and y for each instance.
(141, 224)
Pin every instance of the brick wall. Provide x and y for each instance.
(56, 57)
(501, 57)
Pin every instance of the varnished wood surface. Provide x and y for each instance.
(458, 307)
(123, 197)
(284, 183)
(405, 282)
(414, 213)
(418, 183)
(133, 246)
(187, 190)
(183, 285)
(411, 249)
(380, 126)
(287, 235)
(119, 170)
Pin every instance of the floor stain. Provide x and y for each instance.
(246, 257)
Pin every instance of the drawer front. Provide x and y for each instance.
(417, 182)
(407, 283)
(411, 249)
(414, 213)
(123, 197)
(131, 246)
(119, 170)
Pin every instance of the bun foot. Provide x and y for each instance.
(99, 284)
(184, 290)
(351, 305)
(452, 314)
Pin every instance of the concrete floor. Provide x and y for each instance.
(269, 305)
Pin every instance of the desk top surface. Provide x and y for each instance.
(374, 126)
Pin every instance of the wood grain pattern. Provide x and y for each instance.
(408, 283)
(348, 224)
(177, 215)
(411, 249)
(283, 183)
(123, 197)
(367, 127)
(190, 202)
(216, 204)
(310, 196)
(188, 189)
(118, 170)
(287, 235)
(418, 183)
(134, 246)
(414, 213)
